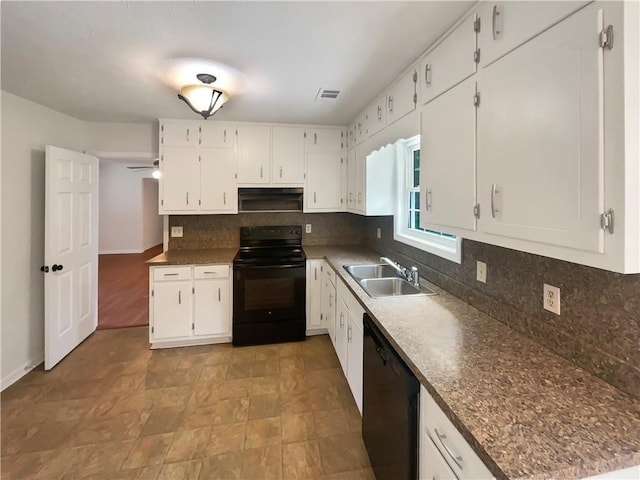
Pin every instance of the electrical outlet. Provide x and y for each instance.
(378, 232)
(308, 228)
(551, 299)
(481, 272)
(176, 232)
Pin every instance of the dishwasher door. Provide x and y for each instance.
(390, 409)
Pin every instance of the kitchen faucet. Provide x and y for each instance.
(409, 275)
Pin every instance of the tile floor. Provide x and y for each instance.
(113, 409)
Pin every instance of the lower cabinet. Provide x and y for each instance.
(328, 301)
(189, 305)
(315, 322)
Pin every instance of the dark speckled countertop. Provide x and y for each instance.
(528, 413)
(194, 257)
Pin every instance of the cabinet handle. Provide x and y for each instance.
(456, 458)
(427, 200)
(390, 103)
(187, 196)
(218, 294)
(206, 273)
(169, 274)
(179, 297)
(330, 302)
(359, 198)
(314, 197)
(280, 172)
(349, 333)
(315, 273)
(341, 319)
(496, 22)
(427, 74)
(260, 172)
(350, 197)
(315, 138)
(379, 112)
(225, 136)
(187, 134)
(224, 197)
(494, 210)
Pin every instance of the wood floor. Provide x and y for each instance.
(123, 289)
(115, 410)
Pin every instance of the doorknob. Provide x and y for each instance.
(56, 268)
(44, 269)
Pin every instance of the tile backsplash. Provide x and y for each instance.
(223, 231)
(599, 325)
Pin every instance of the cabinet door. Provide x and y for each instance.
(540, 138)
(506, 25)
(376, 116)
(180, 180)
(355, 337)
(324, 182)
(342, 318)
(212, 307)
(361, 128)
(351, 134)
(178, 133)
(325, 139)
(402, 97)
(329, 305)
(314, 294)
(352, 189)
(254, 154)
(218, 188)
(288, 155)
(360, 194)
(448, 144)
(171, 310)
(217, 135)
(450, 62)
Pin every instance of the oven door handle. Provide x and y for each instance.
(288, 265)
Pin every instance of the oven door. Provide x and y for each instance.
(268, 293)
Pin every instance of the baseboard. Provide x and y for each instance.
(21, 371)
(117, 252)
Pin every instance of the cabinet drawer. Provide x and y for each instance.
(171, 273)
(331, 275)
(432, 465)
(210, 271)
(449, 442)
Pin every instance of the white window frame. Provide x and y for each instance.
(444, 247)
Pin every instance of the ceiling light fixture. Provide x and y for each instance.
(203, 98)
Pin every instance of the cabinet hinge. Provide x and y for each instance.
(199, 158)
(236, 132)
(476, 210)
(341, 134)
(152, 294)
(415, 77)
(320, 316)
(193, 326)
(342, 160)
(476, 99)
(607, 220)
(341, 145)
(606, 38)
(476, 25)
(305, 134)
(341, 201)
(161, 202)
(193, 290)
(162, 128)
(476, 56)
(235, 175)
(199, 202)
(152, 329)
(415, 98)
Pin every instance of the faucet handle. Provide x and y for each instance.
(415, 276)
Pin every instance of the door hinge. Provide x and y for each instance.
(476, 210)
(476, 25)
(607, 220)
(476, 99)
(476, 56)
(606, 38)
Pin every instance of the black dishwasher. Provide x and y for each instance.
(390, 409)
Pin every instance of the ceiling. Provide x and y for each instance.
(103, 61)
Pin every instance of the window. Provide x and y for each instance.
(407, 228)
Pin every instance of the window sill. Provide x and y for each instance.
(433, 247)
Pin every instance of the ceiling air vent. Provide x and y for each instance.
(326, 94)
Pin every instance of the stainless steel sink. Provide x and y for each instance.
(382, 280)
(360, 272)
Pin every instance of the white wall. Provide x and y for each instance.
(26, 128)
(127, 138)
(152, 223)
(123, 222)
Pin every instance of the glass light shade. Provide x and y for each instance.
(203, 99)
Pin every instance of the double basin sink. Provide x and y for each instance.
(382, 280)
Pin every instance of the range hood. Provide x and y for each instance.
(269, 200)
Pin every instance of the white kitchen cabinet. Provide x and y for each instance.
(329, 139)
(179, 133)
(217, 135)
(189, 305)
(342, 320)
(448, 144)
(328, 301)
(287, 159)
(325, 183)
(371, 179)
(212, 300)
(376, 116)
(351, 134)
(540, 138)
(506, 25)
(402, 96)
(361, 128)
(452, 61)
(218, 188)
(254, 154)
(314, 273)
(180, 181)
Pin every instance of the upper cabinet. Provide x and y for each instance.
(376, 116)
(179, 133)
(217, 135)
(287, 162)
(325, 139)
(325, 186)
(254, 154)
(453, 60)
(506, 25)
(402, 96)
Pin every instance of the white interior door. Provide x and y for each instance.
(70, 252)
